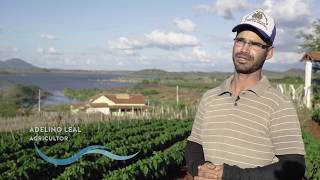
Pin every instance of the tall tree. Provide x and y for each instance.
(311, 41)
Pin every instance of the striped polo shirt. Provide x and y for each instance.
(247, 130)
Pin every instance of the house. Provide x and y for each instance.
(112, 104)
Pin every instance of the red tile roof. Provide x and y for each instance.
(122, 101)
(121, 98)
(311, 56)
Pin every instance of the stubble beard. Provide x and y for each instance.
(250, 66)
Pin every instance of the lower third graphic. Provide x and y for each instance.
(95, 149)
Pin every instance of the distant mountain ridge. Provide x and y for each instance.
(162, 74)
(17, 64)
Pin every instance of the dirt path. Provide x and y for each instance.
(313, 128)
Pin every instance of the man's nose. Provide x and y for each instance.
(245, 47)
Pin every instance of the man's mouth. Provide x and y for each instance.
(242, 59)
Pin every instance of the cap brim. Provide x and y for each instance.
(262, 34)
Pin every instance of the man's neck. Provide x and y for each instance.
(242, 82)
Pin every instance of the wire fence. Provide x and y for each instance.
(68, 118)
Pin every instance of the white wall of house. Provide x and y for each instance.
(104, 110)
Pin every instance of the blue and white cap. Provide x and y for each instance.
(261, 21)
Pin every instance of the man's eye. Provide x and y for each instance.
(241, 40)
(256, 44)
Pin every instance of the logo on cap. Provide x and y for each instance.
(258, 17)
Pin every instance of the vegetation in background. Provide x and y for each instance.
(311, 41)
(316, 99)
(312, 157)
(17, 99)
(288, 80)
(80, 94)
(160, 142)
(149, 92)
(304, 113)
(316, 115)
(56, 108)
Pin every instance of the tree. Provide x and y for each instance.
(311, 40)
(17, 99)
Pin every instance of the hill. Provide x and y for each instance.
(161, 74)
(152, 74)
(280, 74)
(15, 65)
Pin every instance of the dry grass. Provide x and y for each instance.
(67, 118)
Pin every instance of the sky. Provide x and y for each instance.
(189, 35)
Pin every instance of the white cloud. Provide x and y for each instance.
(49, 51)
(90, 61)
(225, 8)
(9, 52)
(129, 53)
(79, 61)
(185, 25)
(70, 61)
(287, 40)
(48, 36)
(286, 57)
(155, 39)
(116, 50)
(40, 50)
(284, 60)
(289, 13)
(52, 50)
(291, 16)
(125, 43)
(119, 63)
(171, 40)
(196, 55)
(200, 54)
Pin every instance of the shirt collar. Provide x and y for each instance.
(258, 88)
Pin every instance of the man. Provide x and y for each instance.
(246, 129)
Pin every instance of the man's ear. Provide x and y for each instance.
(269, 53)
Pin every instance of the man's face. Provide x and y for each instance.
(249, 58)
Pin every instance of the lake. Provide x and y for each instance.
(57, 82)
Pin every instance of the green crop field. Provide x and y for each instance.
(160, 144)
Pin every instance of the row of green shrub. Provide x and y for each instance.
(312, 157)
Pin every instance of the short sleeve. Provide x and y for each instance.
(195, 135)
(285, 130)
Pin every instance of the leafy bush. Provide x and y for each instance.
(8, 108)
(150, 81)
(57, 108)
(80, 94)
(312, 157)
(17, 99)
(316, 99)
(149, 92)
(316, 115)
(315, 88)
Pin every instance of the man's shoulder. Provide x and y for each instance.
(212, 92)
(276, 95)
